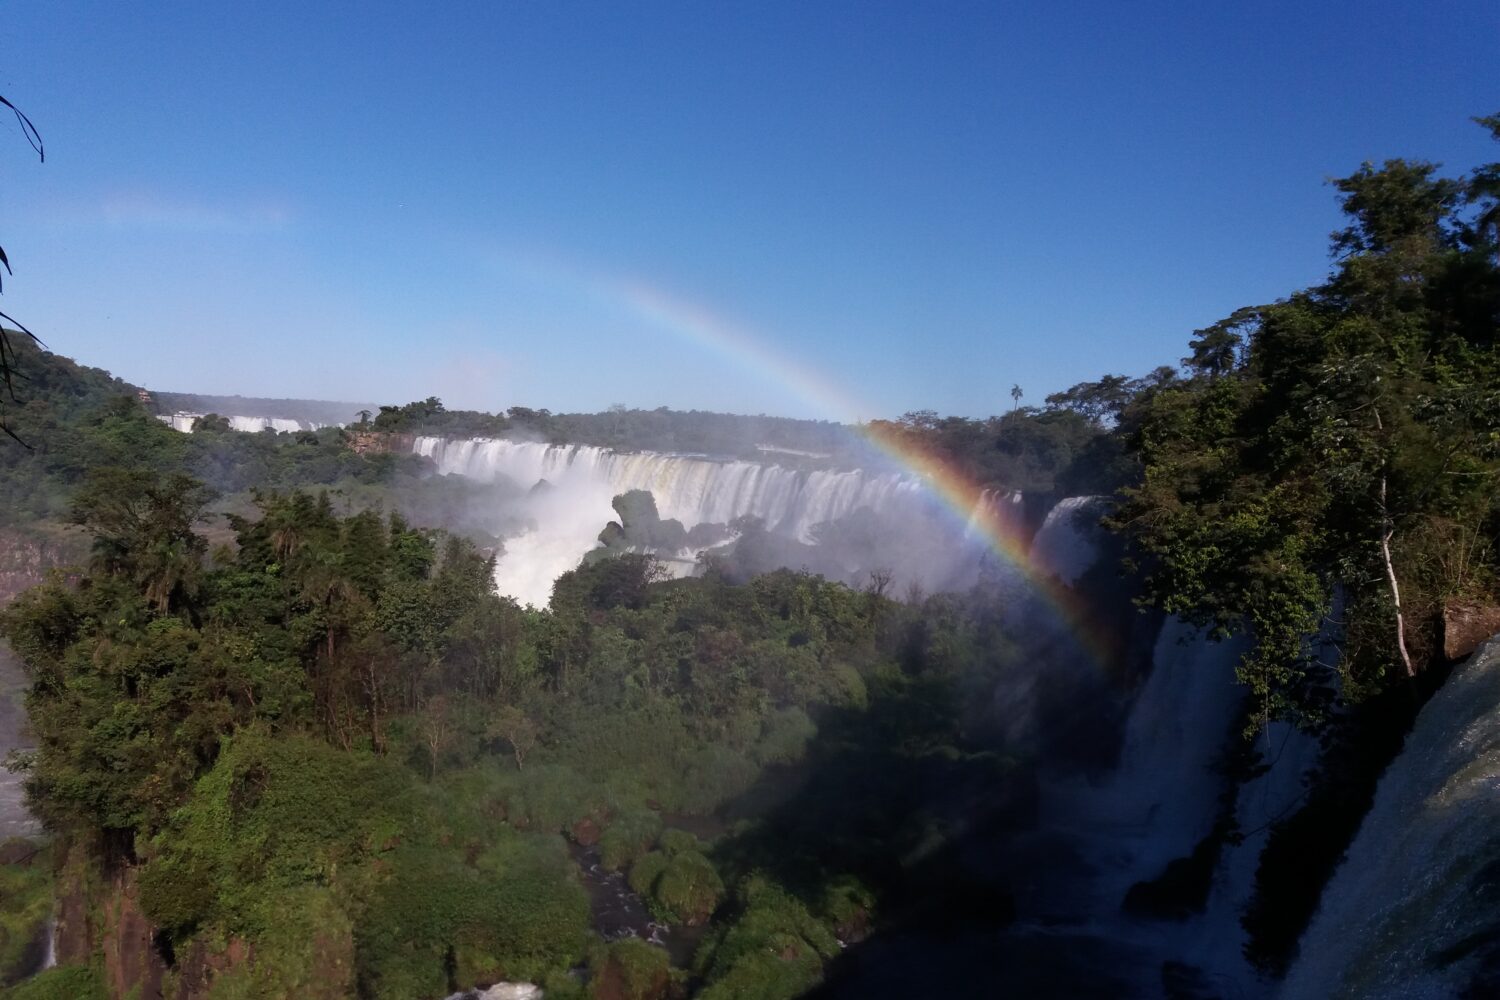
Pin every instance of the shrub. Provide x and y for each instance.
(773, 950)
(552, 797)
(307, 952)
(71, 982)
(25, 904)
(785, 736)
(519, 916)
(678, 883)
(628, 836)
(646, 870)
(715, 776)
(674, 842)
(631, 969)
(688, 890)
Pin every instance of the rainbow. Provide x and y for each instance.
(963, 497)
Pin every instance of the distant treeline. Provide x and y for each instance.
(313, 411)
(1065, 448)
(699, 432)
(73, 419)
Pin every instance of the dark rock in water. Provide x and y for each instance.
(636, 507)
(701, 536)
(1181, 890)
(541, 486)
(613, 536)
(643, 525)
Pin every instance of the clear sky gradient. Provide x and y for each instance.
(916, 204)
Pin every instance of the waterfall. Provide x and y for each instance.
(180, 422)
(1414, 910)
(1162, 798)
(691, 489)
(1066, 545)
(280, 425)
(49, 955)
(250, 425)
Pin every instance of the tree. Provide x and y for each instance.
(1341, 440)
(1015, 395)
(8, 372)
(514, 727)
(143, 527)
(1100, 401)
(1216, 349)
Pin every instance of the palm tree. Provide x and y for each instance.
(325, 585)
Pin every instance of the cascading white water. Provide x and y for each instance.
(690, 489)
(254, 425)
(1101, 835)
(1162, 798)
(184, 422)
(1066, 544)
(1415, 907)
(49, 955)
(693, 490)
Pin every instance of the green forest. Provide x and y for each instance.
(280, 709)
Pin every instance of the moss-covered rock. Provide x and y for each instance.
(679, 884)
(631, 969)
(688, 890)
(773, 950)
(628, 836)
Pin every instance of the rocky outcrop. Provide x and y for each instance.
(100, 914)
(26, 557)
(199, 966)
(368, 442)
(1466, 625)
(132, 965)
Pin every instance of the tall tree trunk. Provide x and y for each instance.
(1386, 530)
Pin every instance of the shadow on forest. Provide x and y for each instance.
(917, 796)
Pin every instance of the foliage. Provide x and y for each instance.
(628, 836)
(678, 882)
(661, 429)
(70, 982)
(1342, 441)
(630, 969)
(1027, 449)
(25, 904)
(773, 951)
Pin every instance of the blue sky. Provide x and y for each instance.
(918, 204)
